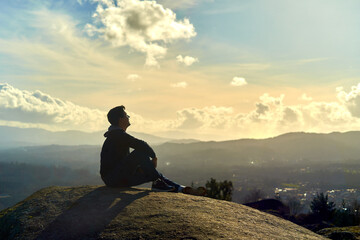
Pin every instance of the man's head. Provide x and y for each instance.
(118, 117)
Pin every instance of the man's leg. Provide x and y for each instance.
(140, 169)
(177, 186)
(137, 169)
(137, 160)
(134, 170)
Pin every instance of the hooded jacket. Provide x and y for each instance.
(117, 146)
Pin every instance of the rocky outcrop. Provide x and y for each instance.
(99, 212)
(341, 233)
(272, 206)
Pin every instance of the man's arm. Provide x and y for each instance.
(140, 145)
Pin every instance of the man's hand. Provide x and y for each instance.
(154, 161)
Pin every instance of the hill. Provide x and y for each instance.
(15, 137)
(287, 148)
(99, 212)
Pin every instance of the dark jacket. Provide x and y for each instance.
(117, 146)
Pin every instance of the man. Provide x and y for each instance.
(120, 168)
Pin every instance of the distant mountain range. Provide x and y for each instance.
(287, 148)
(16, 137)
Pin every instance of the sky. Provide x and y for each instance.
(203, 69)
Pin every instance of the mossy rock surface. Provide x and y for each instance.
(99, 212)
(343, 232)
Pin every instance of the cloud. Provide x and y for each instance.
(305, 97)
(261, 109)
(179, 85)
(37, 108)
(187, 60)
(55, 50)
(270, 116)
(183, 4)
(204, 118)
(238, 82)
(350, 99)
(312, 60)
(144, 26)
(133, 77)
(290, 115)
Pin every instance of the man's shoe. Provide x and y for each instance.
(160, 185)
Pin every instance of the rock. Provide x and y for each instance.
(341, 233)
(272, 206)
(99, 212)
(342, 236)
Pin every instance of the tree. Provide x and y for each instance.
(294, 205)
(321, 207)
(355, 209)
(219, 190)
(347, 215)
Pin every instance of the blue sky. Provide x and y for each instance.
(217, 70)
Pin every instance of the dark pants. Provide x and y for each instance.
(135, 169)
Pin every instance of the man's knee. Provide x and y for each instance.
(140, 155)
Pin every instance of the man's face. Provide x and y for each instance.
(125, 121)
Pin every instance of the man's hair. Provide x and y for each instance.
(115, 114)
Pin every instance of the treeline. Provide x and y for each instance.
(323, 210)
(19, 180)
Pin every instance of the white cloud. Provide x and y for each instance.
(238, 81)
(38, 108)
(141, 25)
(270, 116)
(350, 99)
(133, 77)
(179, 85)
(205, 118)
(187, 60)
(305, 97)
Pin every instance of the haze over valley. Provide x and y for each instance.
(311, 162)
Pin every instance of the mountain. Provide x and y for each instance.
(15, 137)
(287, 148)
(291, 148)
(99, 212)
(184, 141)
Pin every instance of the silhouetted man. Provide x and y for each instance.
(119, 167)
